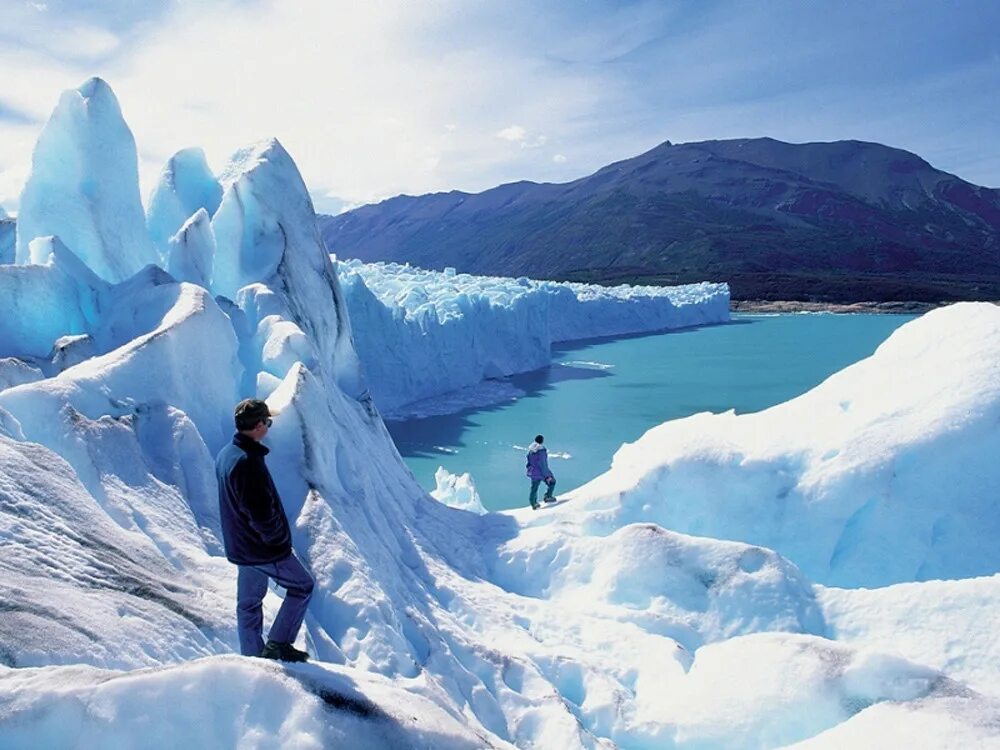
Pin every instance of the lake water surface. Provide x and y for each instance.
(600, 394)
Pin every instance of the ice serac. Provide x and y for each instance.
(40, 304)
(265, 233)
(186, 185)
(898, 483)
(84, 186)
(190, 251)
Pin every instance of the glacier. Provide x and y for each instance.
(612, 620)
(83, 186)
(421, 333)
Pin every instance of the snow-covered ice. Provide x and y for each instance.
(611, 619)
(931, 633)
(424, 333)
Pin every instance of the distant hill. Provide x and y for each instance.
(838, 222)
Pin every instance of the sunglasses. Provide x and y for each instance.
(268, 422)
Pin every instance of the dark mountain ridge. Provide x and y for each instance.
(838, 222)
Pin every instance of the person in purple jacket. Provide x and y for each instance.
(258, 539)
(538, 472)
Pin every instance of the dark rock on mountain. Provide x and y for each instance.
(839, 222)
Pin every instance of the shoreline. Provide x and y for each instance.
(789, 306)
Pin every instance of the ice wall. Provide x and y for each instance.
(424, 333)
(84, 186)
(583, 311)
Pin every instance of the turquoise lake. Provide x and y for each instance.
(599, 394)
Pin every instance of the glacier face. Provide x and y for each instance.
(590, 625)
(424, 333)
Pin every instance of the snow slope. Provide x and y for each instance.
(587, 625)
(425, 333)
(306, 706)
(943, 625)
(901, 446)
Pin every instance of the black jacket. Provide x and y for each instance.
(254, 526)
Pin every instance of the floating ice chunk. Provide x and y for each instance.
(457, 491)
(84, 186)
(186, 185)
(190, 252)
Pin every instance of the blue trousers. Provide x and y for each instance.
(251, 586)
(533, 497)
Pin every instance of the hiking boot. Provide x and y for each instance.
(534, 506)
(283, 652)
(549, 498)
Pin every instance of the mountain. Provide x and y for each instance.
(842, 221)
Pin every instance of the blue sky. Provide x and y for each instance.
(383, 97)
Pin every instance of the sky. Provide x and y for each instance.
(375, 98)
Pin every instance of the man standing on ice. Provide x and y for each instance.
(538, 472)
(258, 539)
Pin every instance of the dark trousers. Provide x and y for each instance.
(251, 586)
(533, 497)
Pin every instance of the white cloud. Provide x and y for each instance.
(84, 42)
(559, 159)
(514, 133)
